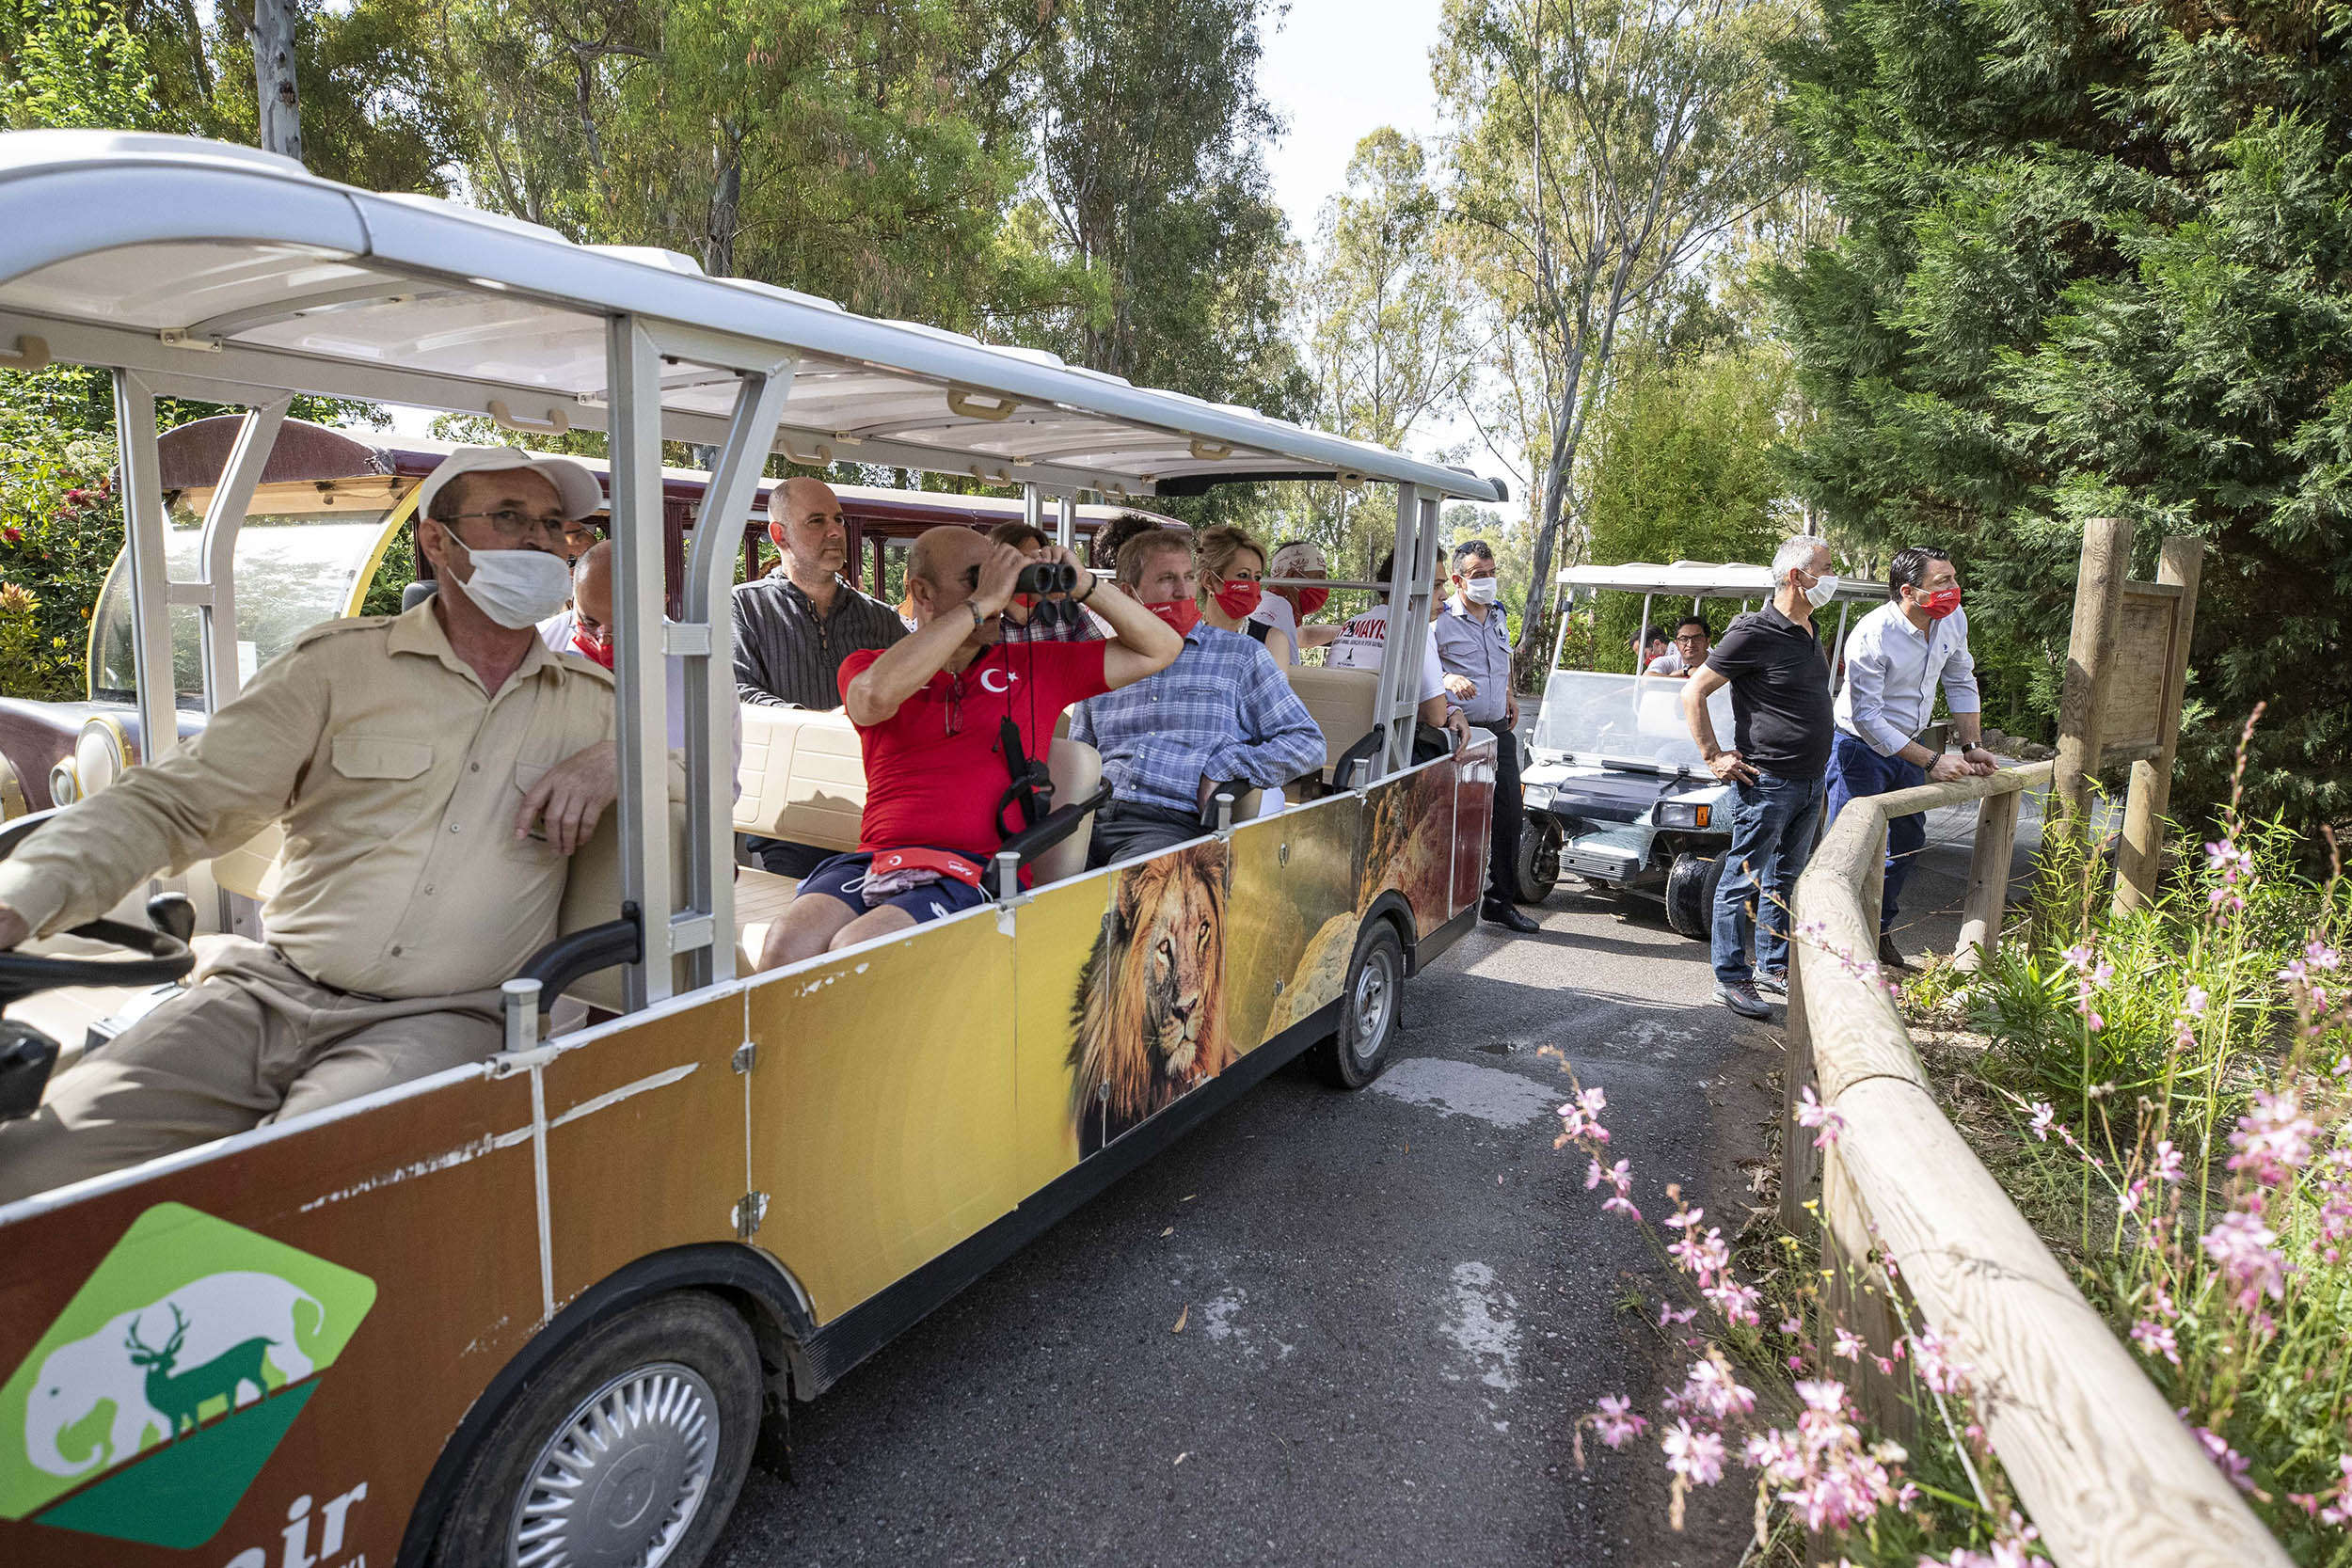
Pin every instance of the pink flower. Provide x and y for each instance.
(2233, 1463)
(1848, 1347)
(1738, 1303)
(1812, 1113)
(2042, 1115)
(2240, 1244)
(1711, 1388)
(1943, 1372)
(2194, 1001)
(1670, 1315)
(1580, 1116)
(2274, 1139)
(2166, 1166)
(2156, 1339)
(1684, 1217)
(1613, 1421)
(1697, 1457)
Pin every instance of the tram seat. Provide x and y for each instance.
(1343, 703)
(802, 777)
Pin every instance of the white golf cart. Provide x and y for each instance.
(1615, 792)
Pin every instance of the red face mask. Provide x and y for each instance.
(1239, 598)
(1312, 599)
(1183, 614)
(588, 647)
(1940, 603)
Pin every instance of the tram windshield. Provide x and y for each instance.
(1624, 718)
(296, 567)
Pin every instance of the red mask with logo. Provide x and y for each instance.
(1239, 598)
(1940, 603)
(1183, 614)
(589, 649)
(1311, 599)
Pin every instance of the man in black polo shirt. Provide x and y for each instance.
(1784, 721)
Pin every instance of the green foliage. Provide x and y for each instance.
(1680, 466)
(377, 110)
(2094, 264)
(61, 525)
(71, 64)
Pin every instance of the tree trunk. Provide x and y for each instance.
(726, 201)
(272, 34)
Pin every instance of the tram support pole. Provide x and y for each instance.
(633, 373)
(144, 526)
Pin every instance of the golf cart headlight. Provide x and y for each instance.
(1537, 797)
(1682, 814)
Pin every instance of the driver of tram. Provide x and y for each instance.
(433, 770)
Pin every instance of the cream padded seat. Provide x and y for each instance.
(1343, 703)
(803, 777)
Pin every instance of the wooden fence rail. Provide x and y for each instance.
(2110, 1476)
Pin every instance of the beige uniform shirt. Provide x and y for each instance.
(397, 778)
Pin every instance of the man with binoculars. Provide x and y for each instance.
(931, 713)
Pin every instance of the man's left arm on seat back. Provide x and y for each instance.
(1279, 738)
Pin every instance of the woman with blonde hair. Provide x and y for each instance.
(1231, 566)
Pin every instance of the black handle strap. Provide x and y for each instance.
(568, 959)
(1032, 842)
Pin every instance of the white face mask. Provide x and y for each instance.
(1823, 591)
(1480, 590)
(517, 589)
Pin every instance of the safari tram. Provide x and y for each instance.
(549, 1308)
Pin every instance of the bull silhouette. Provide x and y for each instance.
(176, 1395)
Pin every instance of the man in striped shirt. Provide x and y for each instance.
(794, 626)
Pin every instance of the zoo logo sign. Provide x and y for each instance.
(165, 1383)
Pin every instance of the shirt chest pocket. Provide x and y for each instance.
(532, 848)
(382, 779)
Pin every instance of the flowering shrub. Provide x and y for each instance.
(2209, 1149)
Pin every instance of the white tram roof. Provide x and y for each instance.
(1701, 579)
(225, 273)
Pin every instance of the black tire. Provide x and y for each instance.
(688, 1443)
(1368, 1009)
(1690, 885)
(1540, 857)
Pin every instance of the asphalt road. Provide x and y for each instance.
(1394, 1305)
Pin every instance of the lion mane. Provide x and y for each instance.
(1150, 1009)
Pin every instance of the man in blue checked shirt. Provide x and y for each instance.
(1894, 659)
(1221, 714)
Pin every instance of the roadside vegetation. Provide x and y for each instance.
(2167, 1095)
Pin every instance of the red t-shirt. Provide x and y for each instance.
(924, 786)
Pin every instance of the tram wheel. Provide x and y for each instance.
(1690, 885)
(628, 1450)
(1368, 1008)
(1539, 858)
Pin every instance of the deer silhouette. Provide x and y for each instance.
(176, 1395)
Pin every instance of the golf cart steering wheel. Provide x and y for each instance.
(162, 950)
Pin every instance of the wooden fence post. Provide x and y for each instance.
(2139, 862)
(1987, 902)
(2098, 606)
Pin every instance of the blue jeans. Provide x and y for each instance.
(1773, 825)
(1855, 769)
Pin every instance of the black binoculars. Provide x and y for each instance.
(1047, 577)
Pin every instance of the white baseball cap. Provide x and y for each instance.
(1295, 559)
(575, 486)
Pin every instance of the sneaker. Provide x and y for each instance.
(1891, 957)
(1740, 998)
(1771, 982)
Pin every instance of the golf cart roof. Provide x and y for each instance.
(1701, 580)
(215, 270)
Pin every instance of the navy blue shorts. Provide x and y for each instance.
(844, 878)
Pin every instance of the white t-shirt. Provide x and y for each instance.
(1668, 663)
(1364, 641)
(1275, 612)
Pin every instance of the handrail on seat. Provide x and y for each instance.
(2110, 1476)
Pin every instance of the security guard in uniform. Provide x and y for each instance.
(434, 771)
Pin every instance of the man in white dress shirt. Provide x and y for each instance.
(1894, 659)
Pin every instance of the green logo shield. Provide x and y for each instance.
(164, 1387)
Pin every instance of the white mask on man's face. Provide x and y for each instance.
(1480, 590)
(517, 589)
(1823, 591)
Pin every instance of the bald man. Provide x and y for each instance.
(930, 715)
(794, 626)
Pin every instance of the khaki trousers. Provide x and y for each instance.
(251, 1040)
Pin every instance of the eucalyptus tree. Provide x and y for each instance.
(1604, 146)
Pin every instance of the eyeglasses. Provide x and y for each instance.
(510, 524)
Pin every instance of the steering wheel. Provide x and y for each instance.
(162, 948)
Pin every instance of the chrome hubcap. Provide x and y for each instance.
(622, 1480)
(1374, 988)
